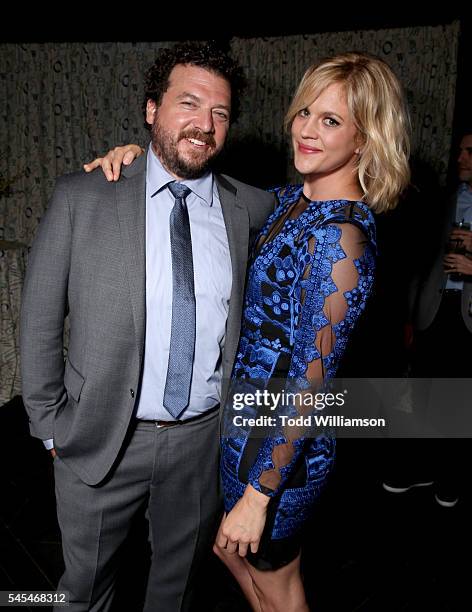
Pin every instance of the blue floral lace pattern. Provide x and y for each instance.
(308, 282)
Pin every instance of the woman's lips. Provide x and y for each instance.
(305, 149)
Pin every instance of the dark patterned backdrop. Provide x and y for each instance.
(62, 103)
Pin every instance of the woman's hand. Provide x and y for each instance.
(111, 163)
(244, 525)
(457, 263)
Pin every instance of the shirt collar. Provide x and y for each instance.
(465, 188)
(158, 177)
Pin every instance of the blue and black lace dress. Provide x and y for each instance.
(310, 276)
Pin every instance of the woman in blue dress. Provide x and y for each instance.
(311, 273)
(310, 276)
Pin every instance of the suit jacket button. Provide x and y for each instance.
(131, 392)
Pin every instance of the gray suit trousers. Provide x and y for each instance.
(174, 470)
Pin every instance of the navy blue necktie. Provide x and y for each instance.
(182, 336)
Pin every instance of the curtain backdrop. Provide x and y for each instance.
(62, 104)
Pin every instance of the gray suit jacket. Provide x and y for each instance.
(88, 259)
(426, 292)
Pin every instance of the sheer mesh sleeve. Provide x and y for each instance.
(336, 267)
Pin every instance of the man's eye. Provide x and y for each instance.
(222, 116)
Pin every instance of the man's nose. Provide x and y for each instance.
(204, 121)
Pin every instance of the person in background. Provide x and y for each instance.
(442, 295)
(440, 335)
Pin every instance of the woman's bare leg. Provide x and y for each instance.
(237, 567)
(279, 590)
(266, 591)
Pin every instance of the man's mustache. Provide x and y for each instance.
(198, 135)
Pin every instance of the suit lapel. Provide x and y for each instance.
(131, 207)
(236, 219)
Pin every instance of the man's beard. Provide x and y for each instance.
(165, 146)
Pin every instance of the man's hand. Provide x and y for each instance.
(53, 453)
(111, 163)
(244, 525)
(457, 264)
(465, 236)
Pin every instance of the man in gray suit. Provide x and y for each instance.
(150, 270)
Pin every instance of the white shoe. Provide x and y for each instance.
(446, 497)
(393, 487)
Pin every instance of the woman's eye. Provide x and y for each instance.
(329, 121)
(304, 112)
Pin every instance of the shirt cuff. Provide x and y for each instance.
(48, 444)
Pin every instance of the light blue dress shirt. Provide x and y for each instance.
(212, 279)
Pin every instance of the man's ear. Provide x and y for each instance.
(151, 109)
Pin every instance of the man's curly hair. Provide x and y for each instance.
(204, 55)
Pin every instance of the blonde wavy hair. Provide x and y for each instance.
(376, 102)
